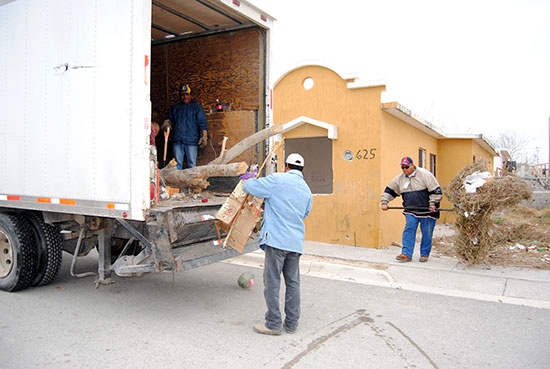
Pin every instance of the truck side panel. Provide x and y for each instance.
(74, 106)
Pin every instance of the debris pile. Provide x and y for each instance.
(473, 209)
(521, 234)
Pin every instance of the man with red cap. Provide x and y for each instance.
(421, 196)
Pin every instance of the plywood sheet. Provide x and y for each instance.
(224, 67)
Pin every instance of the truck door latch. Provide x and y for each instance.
(62, 68)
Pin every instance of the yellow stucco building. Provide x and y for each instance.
(352, 144)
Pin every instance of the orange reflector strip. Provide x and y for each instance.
(67, 202)
(17, 198)
(110, 206)
(43, 199)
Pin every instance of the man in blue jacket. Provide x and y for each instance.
(288, 202)
(189, 130)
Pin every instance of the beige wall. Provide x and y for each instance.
(454, 155)
(481, 154)
(348, 215)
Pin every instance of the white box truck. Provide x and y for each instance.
(79, 81)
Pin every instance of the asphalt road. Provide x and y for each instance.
(202, 319)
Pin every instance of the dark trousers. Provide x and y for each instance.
(277, 261)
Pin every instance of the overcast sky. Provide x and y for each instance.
(470, 66)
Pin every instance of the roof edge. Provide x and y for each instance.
(332, 130)
(354, 81)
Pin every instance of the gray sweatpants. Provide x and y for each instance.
(277, 261)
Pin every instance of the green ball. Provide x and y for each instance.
(246, 280)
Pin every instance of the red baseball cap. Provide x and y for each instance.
(406, 161)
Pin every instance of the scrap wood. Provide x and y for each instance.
(196, 178)
(222, 151)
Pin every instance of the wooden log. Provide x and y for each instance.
(247, 143)
(196, 178)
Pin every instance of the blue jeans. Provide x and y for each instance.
(409, 235)
(182, 150)
(287, 262)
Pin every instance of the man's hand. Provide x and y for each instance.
(384, 206)
(165, 125)
(204, 138)
(432, 208)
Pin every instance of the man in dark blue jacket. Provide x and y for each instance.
(189, 130)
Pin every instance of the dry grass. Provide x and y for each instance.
(518, 225)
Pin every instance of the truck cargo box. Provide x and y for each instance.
(80, 84)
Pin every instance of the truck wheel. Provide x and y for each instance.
(17, 253)
(49, 250)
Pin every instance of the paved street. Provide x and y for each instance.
(201, 318)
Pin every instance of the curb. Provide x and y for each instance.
(321, 267)
(375, 274)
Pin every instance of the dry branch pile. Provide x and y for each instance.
(473, 210)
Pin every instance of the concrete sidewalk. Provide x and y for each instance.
(440, 275)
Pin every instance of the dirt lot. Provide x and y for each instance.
(522, 235)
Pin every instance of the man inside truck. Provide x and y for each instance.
(188, 124)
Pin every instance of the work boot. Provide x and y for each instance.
(288, 329)
(262, 329)
(402, 257)
(423, 259)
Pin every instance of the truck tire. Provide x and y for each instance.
(17, 253)
(49, 250)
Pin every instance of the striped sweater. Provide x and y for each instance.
(419, 191)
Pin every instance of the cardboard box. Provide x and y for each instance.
(228, 210)
(232, 205)
(240, 213)
(244, 223)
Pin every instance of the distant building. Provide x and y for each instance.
(503, 163)
(352, 144)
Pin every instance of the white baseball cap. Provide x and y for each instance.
(295, 159)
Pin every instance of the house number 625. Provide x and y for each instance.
(365, 154)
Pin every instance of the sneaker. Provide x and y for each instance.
(262, 329)
(423, 259)
(402, 257)
(289, 330)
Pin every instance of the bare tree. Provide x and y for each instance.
(515, 143)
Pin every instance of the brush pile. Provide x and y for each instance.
(473, 210)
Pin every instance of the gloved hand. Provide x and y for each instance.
(204, 138)
(166, 124)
